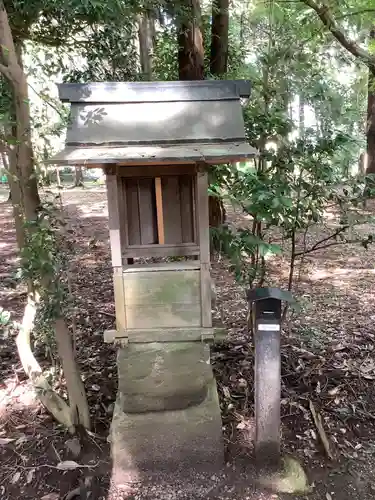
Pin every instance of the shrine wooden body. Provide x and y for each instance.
(155, 142)
(160, 211)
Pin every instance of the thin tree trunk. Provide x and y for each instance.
(219, 37)
(48, 397)
(362, 164)
(370, 129)
(77, 397)
(26, 203)
(301, 116)
(78, 176)
(58, 179)
(5, 161)
(145, 36)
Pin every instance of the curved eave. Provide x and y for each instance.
(141, 155)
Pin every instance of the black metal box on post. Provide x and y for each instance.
(155, 142)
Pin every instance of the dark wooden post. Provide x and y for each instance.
(266, 313)
(267, 316)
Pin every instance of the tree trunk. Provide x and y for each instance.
(80, 413)
(362, 164)
(370, 129)
(301, 116)
(146, 45)
(218, 67)
(22, 179)
(58, 179)
(219, 37)
(78, 176)
(52, 401)
(26, 203)
(5, 161)
(190, 43)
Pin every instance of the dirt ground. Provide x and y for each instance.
(327, 358)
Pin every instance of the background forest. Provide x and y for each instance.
(311, 116)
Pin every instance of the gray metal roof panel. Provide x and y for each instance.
(157, 122)
(209, 153)
(124, 92)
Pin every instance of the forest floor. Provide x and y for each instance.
(328, 363)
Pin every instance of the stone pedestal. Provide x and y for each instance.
(167, 413)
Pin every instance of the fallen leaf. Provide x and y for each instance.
(21, 440)
(328, 496)
(16, 477)
(226, 392)
(334, 390)
(30, 476)
(241, 425)
(51, 496)
(95, 387)
(4, 441)
(68, 465)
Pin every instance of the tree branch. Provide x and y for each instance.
(333, 244)
(317, 246)
(329, 21)
(356, 13)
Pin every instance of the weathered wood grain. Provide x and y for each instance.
(163, 287)
(204, 243)
(114, 220)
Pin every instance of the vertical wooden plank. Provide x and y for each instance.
(120, 308)
(114, 219)
(171, 209)
(123, 212)
(147, 211)
(187, 212)
(159, 211)
(204, 244)
(195, 209)
(133, 212)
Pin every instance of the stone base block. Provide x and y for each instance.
(169, 441)
(161, 376)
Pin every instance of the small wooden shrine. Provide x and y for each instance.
(155, 141)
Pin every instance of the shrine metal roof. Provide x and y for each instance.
(145, 122)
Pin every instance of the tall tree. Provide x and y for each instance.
(191, 67)
(219, 37)
(22, 178)
(146, 37)
(370, 122)
(190, 41)
(26, 206)
(218, 68)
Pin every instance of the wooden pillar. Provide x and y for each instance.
(113, 196)
(204, 244)
(114, 219)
